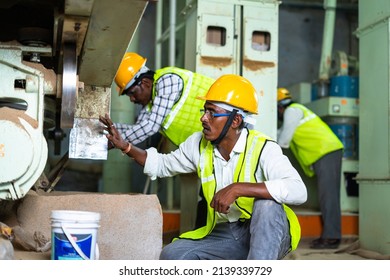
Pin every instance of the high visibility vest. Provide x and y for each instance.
(184, 118)
(312, 139)
(244, 172)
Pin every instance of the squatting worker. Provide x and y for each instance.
(319, 152)
(246, 180)
(167, 97)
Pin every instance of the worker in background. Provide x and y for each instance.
(246, 180)
(319, 152)
(167, 97)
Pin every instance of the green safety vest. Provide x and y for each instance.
(245, 172)
(184, 118)
(312, 139)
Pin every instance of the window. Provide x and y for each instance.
(261, 41)
(216, 35)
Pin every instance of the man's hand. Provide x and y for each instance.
(223, 199)
(114, 137)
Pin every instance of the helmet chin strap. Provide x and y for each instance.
(225, 128)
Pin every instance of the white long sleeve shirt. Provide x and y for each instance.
(281, 179)
(291, 118)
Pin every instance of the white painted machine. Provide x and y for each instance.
(57, 62)
(23, 148)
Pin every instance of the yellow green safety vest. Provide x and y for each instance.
(244, 172)
(312, 139)
(184, 118)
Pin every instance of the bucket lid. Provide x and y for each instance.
(71, 215)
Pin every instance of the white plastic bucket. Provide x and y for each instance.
(74, 235)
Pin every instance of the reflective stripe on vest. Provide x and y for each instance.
(244, 172)
(184, 117)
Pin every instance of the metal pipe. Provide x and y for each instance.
(167, 32)
(157, 60)
(172, 53)
(172, 31)
(327, 39)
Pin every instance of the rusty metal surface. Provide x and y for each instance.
(258, 65)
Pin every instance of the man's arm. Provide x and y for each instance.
(140, 130)
(276, 178)
(168, 90)
(139, 155)
(291, 119)
(225, 197)
(182, 160)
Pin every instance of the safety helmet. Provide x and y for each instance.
(233, 90)
(128, 69)
(283, 94)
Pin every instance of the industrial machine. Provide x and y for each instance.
(58, 59)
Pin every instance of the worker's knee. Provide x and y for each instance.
(266, 211)
(170, 252)
(166, 253)
(265, 206)
(180, 250)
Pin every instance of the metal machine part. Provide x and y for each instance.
(22, 143)
(23, 148)
(343, 64)
(69, 85)
(45, 45)
(339, 65)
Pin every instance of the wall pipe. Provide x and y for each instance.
(172, 31)
(327, 39)
(157, 57)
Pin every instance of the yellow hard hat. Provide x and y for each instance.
(234, 90)
(283, 94)
(128, 69)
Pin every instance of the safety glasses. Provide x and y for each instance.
(211, 115)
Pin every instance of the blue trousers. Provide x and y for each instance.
(265, 236)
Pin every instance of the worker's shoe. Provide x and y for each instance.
(325, 243)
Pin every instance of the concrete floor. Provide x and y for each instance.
(349, 249)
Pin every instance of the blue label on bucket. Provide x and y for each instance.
(63, 249)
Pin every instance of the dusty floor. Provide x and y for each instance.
(348, 250)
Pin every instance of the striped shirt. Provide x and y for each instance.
(168, 90)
